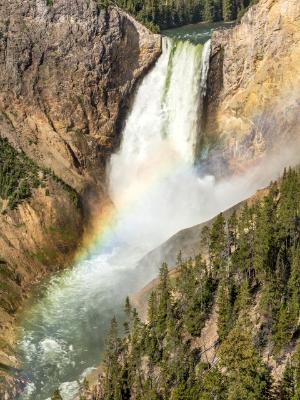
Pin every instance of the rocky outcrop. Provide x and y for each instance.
(253, 99)
(67, 69)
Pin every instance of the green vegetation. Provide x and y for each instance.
(171, 13)
(19, 176)
(63, 233)
(46, 255)
(252, 274)
(289, 386)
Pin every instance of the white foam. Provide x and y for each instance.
(69, 390)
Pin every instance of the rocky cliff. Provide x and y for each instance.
(67, 70)
(253, 85)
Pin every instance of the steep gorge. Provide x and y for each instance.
(67, 72)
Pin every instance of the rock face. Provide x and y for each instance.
(38, 237)
(67, 70)
(253, 99)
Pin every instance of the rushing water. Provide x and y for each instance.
(158, 149)
(63, 331)
(196, 33)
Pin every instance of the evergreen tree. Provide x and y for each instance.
(128, 313)
(218, 244)
(213, 385)
(209, 11)
(171, 13)
(226, 313)
(232, 233)
(289, 388)
(113, 349)
(228, 10)
(164, 299)
(247, 376)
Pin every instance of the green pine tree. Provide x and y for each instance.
(247, 376)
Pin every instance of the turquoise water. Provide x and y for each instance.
(196, 33)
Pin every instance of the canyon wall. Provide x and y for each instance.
(67, 72)
(253, 96)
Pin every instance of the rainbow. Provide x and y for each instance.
(106, 221)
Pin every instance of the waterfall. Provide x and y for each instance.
(181, 97)
(157, 191)
(199, 148)
(165, 110)
(205, 67)
(158, 149)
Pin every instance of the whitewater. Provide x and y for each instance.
(157, 188)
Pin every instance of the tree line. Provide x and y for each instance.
(163, 14)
